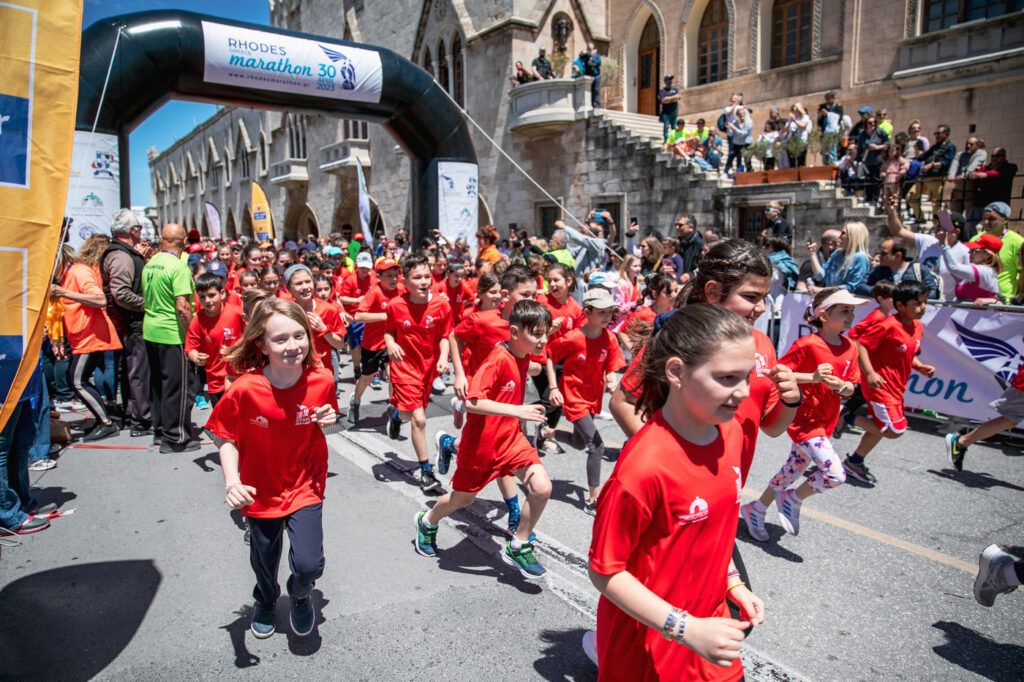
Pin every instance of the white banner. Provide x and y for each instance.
(976, 353)
(364, 207)
(268, 61)
(457, 202)
(213, 220)
(94, 186)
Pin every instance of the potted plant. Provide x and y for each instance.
(758, 150)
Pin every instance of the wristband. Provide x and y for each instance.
(798, 403)
(670, 623)
(682, 628)
(734, 586)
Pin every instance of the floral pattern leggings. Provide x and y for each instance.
(830, 473)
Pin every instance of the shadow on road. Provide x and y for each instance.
(563, 657)
(972, 479)
(70, 623)
(204, 461)
(55, 494)
(979, 654)
(466, 557)
(772, 546)
(568, 492)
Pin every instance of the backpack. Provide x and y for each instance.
(926, 276)
(913, 171)
(721, 122)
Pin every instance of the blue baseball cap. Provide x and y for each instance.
(865, 110)
(218, 268)
(999, 207)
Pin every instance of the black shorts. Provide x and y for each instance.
(373, 361)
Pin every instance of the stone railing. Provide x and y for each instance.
(546, 108)
(336, 157)
(289, 172)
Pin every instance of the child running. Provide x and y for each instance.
(591, 356)
(826, 364)
(353, 287)
(666, 518)
(372, 313)
(212, 332)
(419, 338)
(274, 455)
(882, 293)
(888, 353)
(493, 443)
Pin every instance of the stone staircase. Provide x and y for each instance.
(817, 205)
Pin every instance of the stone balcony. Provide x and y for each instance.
(546, 108)
(289, 172)
(340, 156)
(985, 50)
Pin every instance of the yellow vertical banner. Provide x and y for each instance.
(39, 53)
(262, 225)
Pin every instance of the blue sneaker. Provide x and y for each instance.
(426, 537)
(375, 384)
(524, 560)
(303, 616)
(202, 403)
(445, 451)
(394, 423)
(262, 624)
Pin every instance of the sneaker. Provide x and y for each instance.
(789, 510)
(303, 615)
(63, 406)
(191, 446)
(202, 403)
(101, 431)
(28, 526)
(524, 560)
(992, 562)
(376, 383)
(590, 507)
(44, 510)
(42, 465)
(426, 537)
(394, 423)
(955, 451)
(837, 432)
(428, 482)
(353, 410)
(247, 537)
(859, 471)
(849, 424)
(755, 522)
(445, 452)
(438, 386)
(262, 623)
(138, 433)
(590, 645)
(458, 412)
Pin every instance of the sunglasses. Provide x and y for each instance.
(680, 224)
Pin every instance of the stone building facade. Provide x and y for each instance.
(968, 74)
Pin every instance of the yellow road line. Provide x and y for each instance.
(890, 540)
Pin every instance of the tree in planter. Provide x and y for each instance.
(758, 150)
(795, 147)
(817, 142)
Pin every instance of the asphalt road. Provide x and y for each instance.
(149, 579)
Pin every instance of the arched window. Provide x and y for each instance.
(428, 62)
(296, 129)
(442, 65)
(243, 159)
(791, 32)
(713, 44)
(262, 150)
(458, 72)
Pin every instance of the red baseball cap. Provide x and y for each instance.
(386, 264)
(358, 235)
(195, 248)
(986, 241)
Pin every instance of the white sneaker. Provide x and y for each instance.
(458, 412)
(590, 645)
(755, 522)
(789, 510)
(990, 581)
(42, 465)
(438, 385)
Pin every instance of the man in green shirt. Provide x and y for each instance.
(557, 243)
(995, 221)
(168, 288)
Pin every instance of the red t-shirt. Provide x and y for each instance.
(457, 297)
(586, 361)
(570, 310)
(480, 332)
(376, 301)
(331, 316)
(418, 328)
(633, 380)
(762, 399)
(487, 440)
(437, 278)
(646, 314)
(1018, 381)
(88, 329)
(234, 299)
(233, 275)
(353, 287)
(211, 334)
(667, 514)
(818, 413)
(873, 318)
(891, 349)
(280, 452)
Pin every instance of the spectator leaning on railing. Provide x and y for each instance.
(978, 280)
(995, 180)
(971, 159)
(830, 117)
(917, 143)
(995, 222)
(934, 168)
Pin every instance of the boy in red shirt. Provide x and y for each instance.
(350, 295)
(591, 357)
(419, 340)
(888, 353)
(372, 313)
(212, 332)
(493, 443)
(882, 293)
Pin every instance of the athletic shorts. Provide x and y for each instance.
(887, 416)
(473, 476)
(373, 361)
(354, 334)
(1010, 404)
(409, 397)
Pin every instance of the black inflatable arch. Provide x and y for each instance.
(161, 55)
